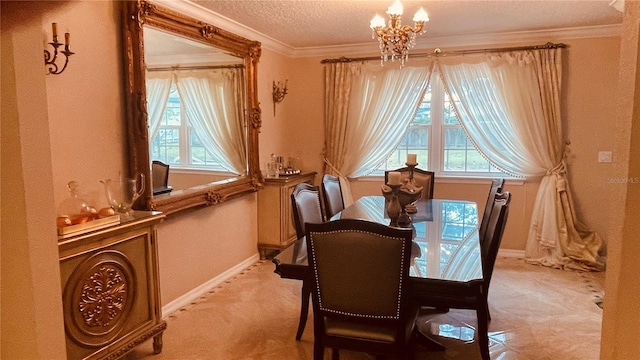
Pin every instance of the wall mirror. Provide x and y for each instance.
(192, 103)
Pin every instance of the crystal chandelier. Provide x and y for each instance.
(396, 40)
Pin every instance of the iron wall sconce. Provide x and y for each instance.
(50, 60)
(279, 93)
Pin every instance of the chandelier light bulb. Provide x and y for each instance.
(377, 21)
(395, 9)
(421, 16)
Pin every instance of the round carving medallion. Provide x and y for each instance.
(98, 297)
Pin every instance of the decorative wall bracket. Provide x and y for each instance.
(279, 93)
(50, 60)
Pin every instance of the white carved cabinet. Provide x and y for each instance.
(110, 288)
(275, 218)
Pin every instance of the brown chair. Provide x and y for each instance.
(360, 288)
(496, 187)
(423, 178)
(306, 208)
(473, 295)
(160, 177)
(332, 195)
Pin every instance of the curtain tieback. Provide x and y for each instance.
(333, 167)
(559, 171)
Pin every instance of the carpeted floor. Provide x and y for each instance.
(537, 313)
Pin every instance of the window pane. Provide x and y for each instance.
(172, 111)
(449, 117)
(199, 154)
(166, 145)
(454, 160)
(475, 161)
(416, 140)
(423, 115)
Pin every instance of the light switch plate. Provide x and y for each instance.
(605, 156)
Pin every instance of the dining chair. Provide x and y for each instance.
(473, 295)
(360, 293)
(423, 178)
(496, 187)
(332, 195)
(160, 177)
(306, 208)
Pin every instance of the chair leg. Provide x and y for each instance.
(335, 354)
(318, 350)
(483, 331)
(304, 309)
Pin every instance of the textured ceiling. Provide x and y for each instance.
(324, 23)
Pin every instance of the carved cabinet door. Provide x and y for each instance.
(110, 289)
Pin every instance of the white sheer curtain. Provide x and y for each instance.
(510, 108)
(211, 102)
(383, 101)
(158, 88)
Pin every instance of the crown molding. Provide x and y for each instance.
(424, 42)
(203, 14)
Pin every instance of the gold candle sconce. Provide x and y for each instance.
(279, 92)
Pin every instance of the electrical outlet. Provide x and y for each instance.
(605, 156)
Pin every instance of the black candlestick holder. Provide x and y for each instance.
(50, 59)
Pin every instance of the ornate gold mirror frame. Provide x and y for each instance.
(139, 13)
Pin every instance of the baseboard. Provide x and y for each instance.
(190, 296)
(511, 253)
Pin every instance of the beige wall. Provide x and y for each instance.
(621, 317)
(590, 93)
(198, 245)
(31, 300)
(74, 131)
(85, 103)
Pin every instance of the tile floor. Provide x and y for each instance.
(537, 313)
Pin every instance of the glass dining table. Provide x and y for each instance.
(445, 249)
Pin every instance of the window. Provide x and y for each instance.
(439, 141)
(177, 143)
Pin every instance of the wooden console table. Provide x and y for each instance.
(275, 219)
(111, 291)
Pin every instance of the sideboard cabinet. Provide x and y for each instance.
(110, 288)
(275, 218)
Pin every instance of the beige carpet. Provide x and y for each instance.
(537, 313)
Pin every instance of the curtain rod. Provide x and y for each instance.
(437, 52)
(201, 67)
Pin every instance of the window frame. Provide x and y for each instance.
(436, 140)
(185, 134)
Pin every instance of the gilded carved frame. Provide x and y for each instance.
(139, 13)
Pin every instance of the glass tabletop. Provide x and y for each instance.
(445, 244)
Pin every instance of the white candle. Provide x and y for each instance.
(394, 178)
(54, 28)
(412, 159)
